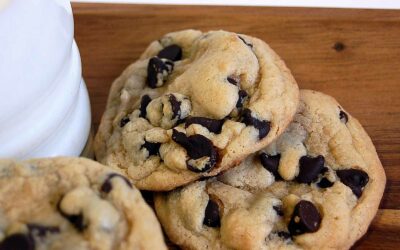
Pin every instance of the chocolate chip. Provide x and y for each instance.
(151, 147)
(197, 146)
(310, 168)
(284, 235)
(42, 231)
(18, 242)
(176, 106)
(324, 183)
(343, 117)
(305, 218)
(278, 210)
(233, 80)
(143, 105)
(355, 179)
(262, 125)
(106, 187)
(212, 125)
(75, 219)
(271, 163)
(157, 71)
(124, 121)
(211, 215)
(172, 52)
(242, 95)
(244, 41)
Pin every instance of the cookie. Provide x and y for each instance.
(193, 105)
(72, 203)
(318, 186)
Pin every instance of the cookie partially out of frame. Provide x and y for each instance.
(72, 203)
(317, 187)
(193, 105)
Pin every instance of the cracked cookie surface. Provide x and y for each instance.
(318, 186)
(72, 203)
(193, 105)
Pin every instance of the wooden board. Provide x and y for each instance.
(353, 55)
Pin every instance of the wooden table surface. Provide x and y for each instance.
(353, 55)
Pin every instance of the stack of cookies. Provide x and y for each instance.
(236, 156)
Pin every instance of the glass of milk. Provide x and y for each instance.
(44, 103)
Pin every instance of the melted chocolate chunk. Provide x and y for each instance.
(305, 218)
(176, 106)
(143, 105)
(42, 231)
(284, 235)
(18, 241)
(107, 186)
(262, 125)
(124, 121)
(271, 163)
(157, 70)
(343, 117)
(172, 52)
(278, 210)
(355, 179)
(75, 219)
(197, 146)
(310, 168)
(244, 41)
(233, 80)
(212, 125)
(242, 95)
(151, 147)
(211, 215)
(324, 183)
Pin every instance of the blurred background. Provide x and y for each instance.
(381, 4)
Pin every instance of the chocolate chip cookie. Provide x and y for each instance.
(318, 186)
(193, 105)
(72, 203)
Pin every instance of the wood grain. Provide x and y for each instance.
(353, 55)
(383, 232)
